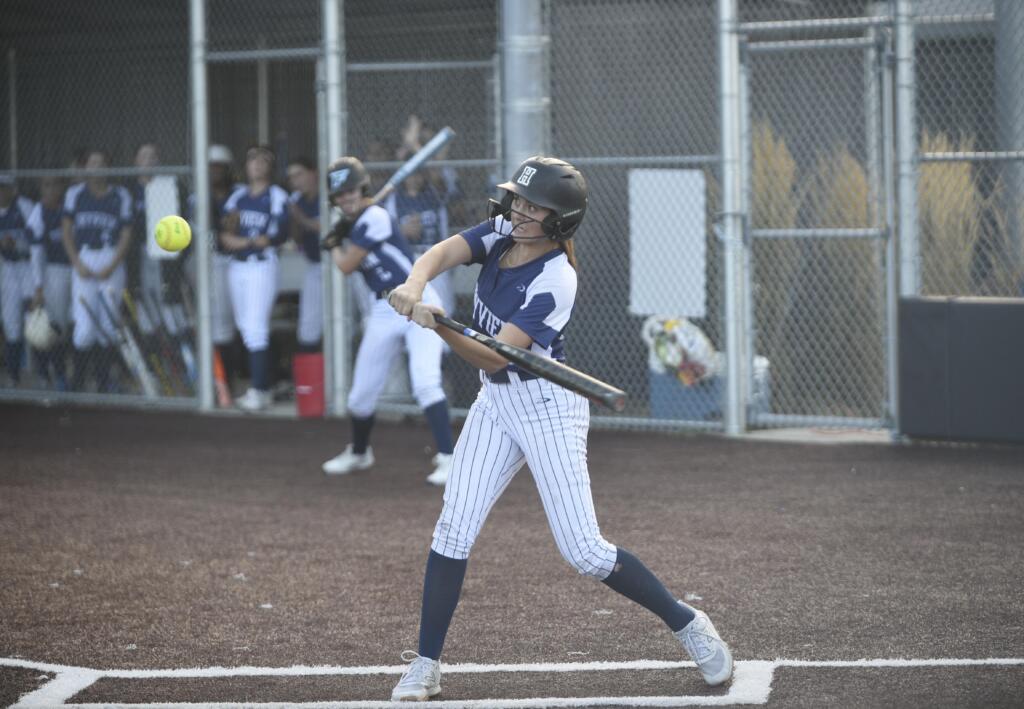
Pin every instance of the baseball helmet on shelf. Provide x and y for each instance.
(39, 331)
(550, 183)
(346, 174)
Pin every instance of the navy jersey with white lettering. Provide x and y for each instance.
(97, 220)
(48, 232)
(263, 213)
(310, 244)
(430, 208)
(537, 296)
(388, 260)
(15, 236)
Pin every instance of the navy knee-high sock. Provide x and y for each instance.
(259, 362)
(636, 582)
(15, 352)
(442, 585)
(440, 425)
(361, 427)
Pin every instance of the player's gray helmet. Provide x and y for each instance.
(346, 174)
(550, 183)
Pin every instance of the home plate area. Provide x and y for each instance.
(618, 683)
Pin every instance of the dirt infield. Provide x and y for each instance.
(138, 540)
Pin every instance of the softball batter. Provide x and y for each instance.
(524, 296)
(255, 225)
(380, 253)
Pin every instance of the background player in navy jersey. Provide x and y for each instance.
(376, 249)
(15, 271)
(51, 275)
(524, 296)
(422, 218)
(255, 225)
(97, 235)
(304, 221)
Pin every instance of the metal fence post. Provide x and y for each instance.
(336, 300)
(732, 216)
(906, 148)
(526, 100)
(201, 184)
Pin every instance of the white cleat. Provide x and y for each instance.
(420, 682)
(348, 462)
(254, 400)
(706, 648)
(442, 467)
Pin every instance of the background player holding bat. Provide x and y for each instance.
(367, 241)
(524, 296)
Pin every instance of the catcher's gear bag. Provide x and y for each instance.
(39, 331)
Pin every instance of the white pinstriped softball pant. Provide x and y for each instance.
(541, 424)
(253, 290)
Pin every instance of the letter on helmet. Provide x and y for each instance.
(550, 183)
(347, 173)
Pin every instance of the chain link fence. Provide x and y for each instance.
(97, 132)
(634, 103)
(970, 121)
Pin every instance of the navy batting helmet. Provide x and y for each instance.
(550, 183)
(346, 174)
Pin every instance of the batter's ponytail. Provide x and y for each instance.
(570, 251)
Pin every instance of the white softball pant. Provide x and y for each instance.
(15, 289)
(222, 324)
(92, 289)
(311, 305)
(253, 291)
(541, 424)
(386, 332)
(57, 294)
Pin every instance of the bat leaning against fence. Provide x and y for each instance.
(172, 338)
(141, 325)
(127, 347)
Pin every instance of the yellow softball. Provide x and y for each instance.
(173, 233)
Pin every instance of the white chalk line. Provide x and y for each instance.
(751, 682)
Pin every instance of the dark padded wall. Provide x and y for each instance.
(961, 368)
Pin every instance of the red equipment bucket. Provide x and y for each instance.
(308, 374)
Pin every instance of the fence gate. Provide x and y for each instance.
(817, 146)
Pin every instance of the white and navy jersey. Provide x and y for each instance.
(47, 230)
(97, 220)
(310, 243)
(432, 213)
(15, 237)
(263, 213)
(388, 260)
(537, 297)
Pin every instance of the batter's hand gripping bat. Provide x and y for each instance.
(545, 367)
